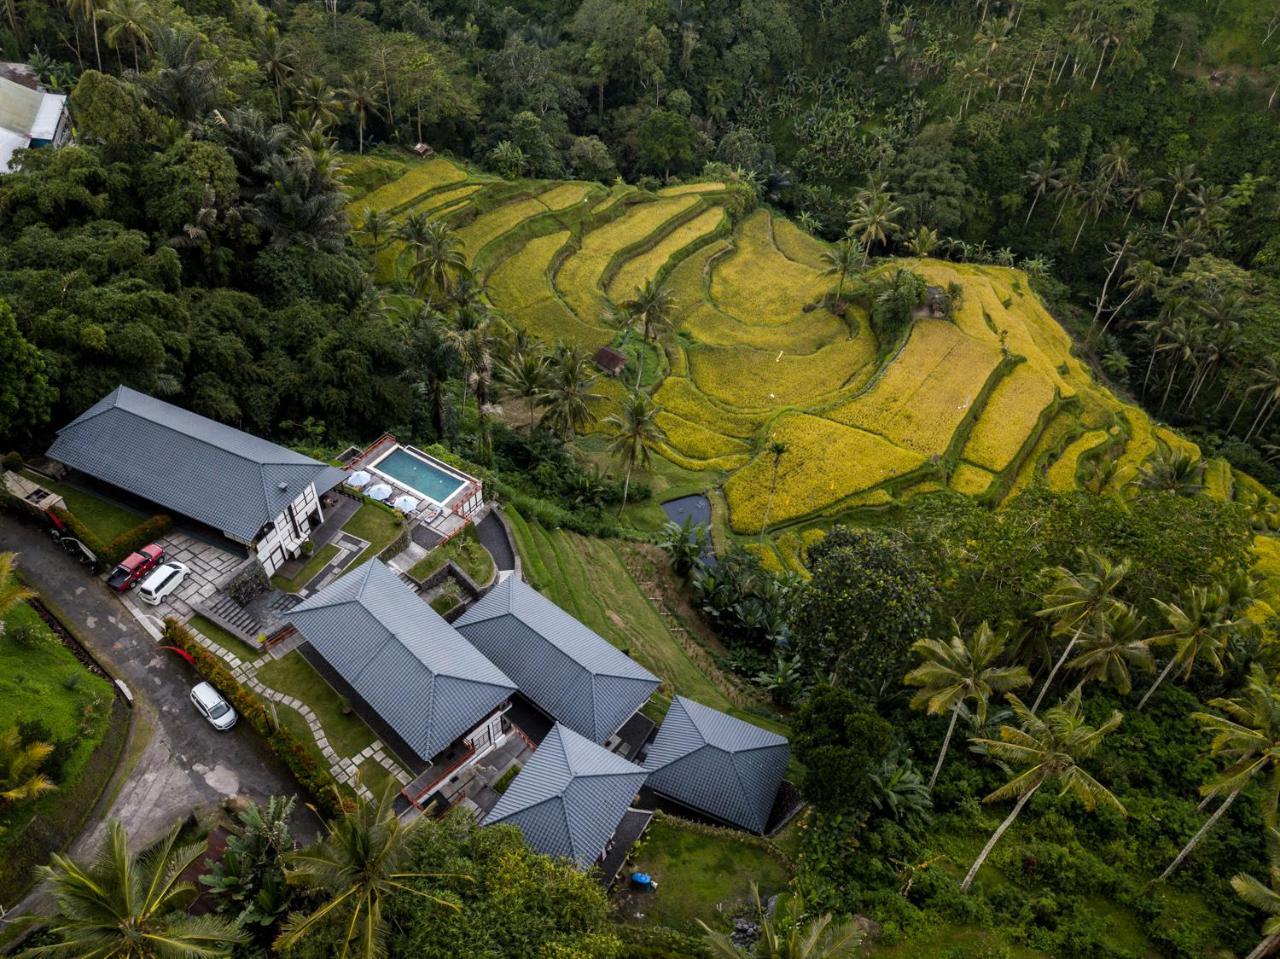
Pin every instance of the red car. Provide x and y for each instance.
(134, 567)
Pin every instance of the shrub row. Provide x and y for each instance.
(295, 754)
(127, 542)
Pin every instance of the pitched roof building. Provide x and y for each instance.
(252, 490)
(420, 676)
(29, 118)
(717, 764)
(565, 669)
(570, 797)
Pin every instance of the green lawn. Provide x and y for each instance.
(465, 550)
(107, 520)
(699, 869)
(379, 525)
(317, 562)
(232, 644)
(376, 778)
(294, 676)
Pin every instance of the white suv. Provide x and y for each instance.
(213, 707)
(162, 582)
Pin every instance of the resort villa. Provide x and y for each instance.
(255, 493)
(29, 116)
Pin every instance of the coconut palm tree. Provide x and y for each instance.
(319, 100)
(361, 94)
(777, 449)
(130, 20)
(1264, 896)
(1046, 749)
(525, 374)
(12, 592)
(1248, 737)
(376, 225)
(89, 10)
(1180, 180)
(1042, 176)
(636, 433)
(1076, 599)
(20, 776)
(124, 907)
(276, 59)
(1172, 471)
(1108, 654)
(966, 668)
(792, 935)
(437, 259)
(1200, 626)
(840, 260)
(354, 868)
(650, 309)
(923, 242)
(568, 397)
(874, 217)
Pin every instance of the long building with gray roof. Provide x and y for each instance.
(570, 797)
(717, 764)
(255, 492)
(416, 671)
(566, 670)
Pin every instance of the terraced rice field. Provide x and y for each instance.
(986, 403)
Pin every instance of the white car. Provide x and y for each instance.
(162, 582)
(213, 707)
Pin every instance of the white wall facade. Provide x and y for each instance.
(284, 538)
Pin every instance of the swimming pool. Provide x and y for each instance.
(429, 479)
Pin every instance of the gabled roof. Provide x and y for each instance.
(426, 682)
(190, 464)
(567, 670)
(717, 764)
(570, 797)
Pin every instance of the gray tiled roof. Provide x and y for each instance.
(187, 463)
(426, 682)
(717, 764)
(571, 673)
(570, 797)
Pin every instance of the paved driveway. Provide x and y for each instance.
(186, 765)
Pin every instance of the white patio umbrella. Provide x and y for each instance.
(405, 503)
(378, 491)
(359, 478)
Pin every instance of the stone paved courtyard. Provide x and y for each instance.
(208, 564)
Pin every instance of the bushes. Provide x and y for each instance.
(124, 544)
(292, 751)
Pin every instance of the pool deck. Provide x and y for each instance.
(444, 520)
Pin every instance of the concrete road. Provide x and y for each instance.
(186, 765)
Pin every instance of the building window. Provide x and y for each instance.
(293, 521)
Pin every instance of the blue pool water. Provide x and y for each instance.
(417, 474)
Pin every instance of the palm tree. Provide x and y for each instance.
(12, 592)
(319, 100)
(1108, 653)
(923, 242)
(376, 225)
(20, 776)
(276, 59)
(437, 259)
(1074, 599)
(525, 374)
(1172, 471)
(361, 94)
(1046, 748)
(130, 20)
(1041, 176)
(568, 397)
(1265, 897)
(650, 308)
(88, 10)
(354, 868)
(840, 260)
(777, 449)
(964, 668)
(1248, 737)
(1267, 382)
(1200, 626)
(874, 217)
(125, 907)
(793, 936)
(1114, 164)
(637, 433)
(1180, 179)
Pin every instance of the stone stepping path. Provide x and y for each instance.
(343, 769)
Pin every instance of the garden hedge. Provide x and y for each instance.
(131, 540)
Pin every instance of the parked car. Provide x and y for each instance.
(134, 567)
(162, 582)
(82, 554)
(213, 707)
